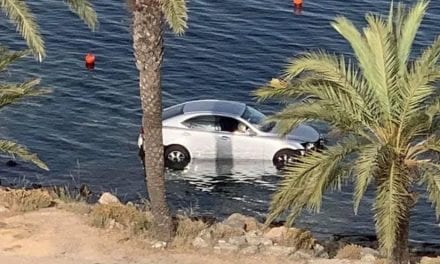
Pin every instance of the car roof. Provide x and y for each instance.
(215, 107)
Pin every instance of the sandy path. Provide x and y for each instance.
(54, 236)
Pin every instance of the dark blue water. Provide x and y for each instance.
(86, 129)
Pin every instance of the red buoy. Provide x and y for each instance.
(89, 58)
(297, 3)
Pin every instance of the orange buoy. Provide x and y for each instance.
(297, 3)
(89, 58)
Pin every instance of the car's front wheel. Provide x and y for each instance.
(285, 157)
(176, 157)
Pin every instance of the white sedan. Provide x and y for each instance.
(217, 129)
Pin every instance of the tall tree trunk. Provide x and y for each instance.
(148, 50)
(400, 253)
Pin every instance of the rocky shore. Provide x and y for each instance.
(238, 235)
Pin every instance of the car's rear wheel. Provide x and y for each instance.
(176, 157)
(285, 157)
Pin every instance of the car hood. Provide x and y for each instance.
(304, 133)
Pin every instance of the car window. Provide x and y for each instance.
(207, 123)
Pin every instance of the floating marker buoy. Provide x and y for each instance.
(90, 61)
(297, 3)
(89, 58)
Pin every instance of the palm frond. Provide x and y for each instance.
(365, 57)
(365, 169)
(13, 148)
(19, 13)
(295, 114)
(84, 10)
(410, 25)
(307, 180)
(381, 41)
(431, 179)
(176, 15)
(389, 206)
(7, 56)
(12, 92)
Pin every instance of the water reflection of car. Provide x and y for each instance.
(217, 129)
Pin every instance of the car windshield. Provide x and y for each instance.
(257, 119)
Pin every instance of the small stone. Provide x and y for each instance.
(239, 241)
(369, 251)
(226, 247)
(108, 198)
(3, 209)
(251, 250)
(159, 245)
(254, 240)
(368, 258)
(319, 251)
(199, 242)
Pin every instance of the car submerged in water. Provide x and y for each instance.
(218, 129)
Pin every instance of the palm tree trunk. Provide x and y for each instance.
(400, 251)
(148, 50)
(400, 254)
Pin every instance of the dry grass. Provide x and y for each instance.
(349, 252)
(25, 200)
(187, 231)
(119, 215)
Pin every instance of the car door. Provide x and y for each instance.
(236, 143)
(201, 136)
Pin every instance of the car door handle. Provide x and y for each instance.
(224, 137)
(186, 134)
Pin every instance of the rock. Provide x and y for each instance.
(246, 223)
(368, 258)
(301, 255)
(291, 237)
(220, 231)
(369, 251)
(159, 244)
(239, 241)
(250, 250)
(279, 251)
(428, 260)
(255, 240)
(224, 246)
(108, 198)
(276, 234)
(199, 242)
(319, 251)
(11, 163)
(3, 209)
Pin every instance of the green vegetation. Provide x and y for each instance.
(20, 15)
(11, 93)
(385, 105)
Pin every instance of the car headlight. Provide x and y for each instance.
(309, 145)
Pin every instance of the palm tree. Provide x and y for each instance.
(19, 14)
(148, 33)
(386, 107)
(12, 92)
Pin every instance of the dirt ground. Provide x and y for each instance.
(54, 236)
